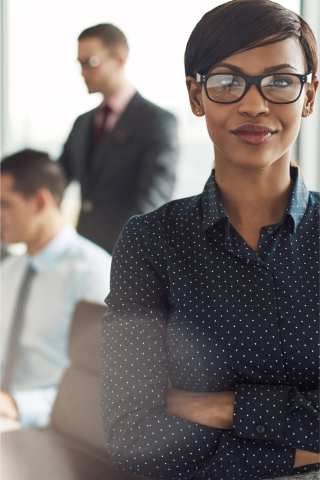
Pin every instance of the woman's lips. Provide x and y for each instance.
(254, 134)
(254, 139)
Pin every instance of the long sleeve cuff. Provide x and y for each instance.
(241, 458)
(269, 461)
(278, 414)
(35, 405)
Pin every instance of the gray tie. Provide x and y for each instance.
(15, 333)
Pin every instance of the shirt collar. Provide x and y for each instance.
(56, 248)
(118, 102)
(299, 199)
(213, 210)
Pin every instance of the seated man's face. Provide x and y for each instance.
(17, 213)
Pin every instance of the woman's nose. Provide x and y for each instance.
(253, 103)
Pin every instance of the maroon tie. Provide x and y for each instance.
(99, 131)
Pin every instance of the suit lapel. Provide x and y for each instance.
(120, 134)
(83, 141)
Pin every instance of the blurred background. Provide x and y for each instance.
(42, 91)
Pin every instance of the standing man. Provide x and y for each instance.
(124, 152)
(40, 290)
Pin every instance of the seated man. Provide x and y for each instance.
(40, 289)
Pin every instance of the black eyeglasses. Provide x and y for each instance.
(281, 88)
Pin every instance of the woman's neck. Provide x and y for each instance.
(253, 198)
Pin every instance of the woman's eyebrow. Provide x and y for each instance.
(228, 65)
(272, 69)
(275, 68)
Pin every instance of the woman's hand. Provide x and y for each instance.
(305, 458)
(213, 409)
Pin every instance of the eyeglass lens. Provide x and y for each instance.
(278, 88)
(91, 62)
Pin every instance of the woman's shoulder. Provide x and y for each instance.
(172, 211)
(167, 220)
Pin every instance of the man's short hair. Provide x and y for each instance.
(31, 170)
(111, 35)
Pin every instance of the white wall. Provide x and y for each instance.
(44, 91)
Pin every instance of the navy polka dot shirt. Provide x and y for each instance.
(192, 305)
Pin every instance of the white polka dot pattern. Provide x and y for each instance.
(192, 303)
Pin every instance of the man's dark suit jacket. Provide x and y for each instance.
(131, 173)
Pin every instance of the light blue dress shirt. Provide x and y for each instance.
(69, 269)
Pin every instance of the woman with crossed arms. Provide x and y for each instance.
(210, 348)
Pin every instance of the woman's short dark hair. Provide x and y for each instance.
(241, 25)
(32, 170)
(111, 35)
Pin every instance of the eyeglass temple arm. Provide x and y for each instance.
(309, 77)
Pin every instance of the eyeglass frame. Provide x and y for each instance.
(86, 63)
(254, 81)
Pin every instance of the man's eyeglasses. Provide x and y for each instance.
(92, 62)
(281, 88)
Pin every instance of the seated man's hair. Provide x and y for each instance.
(32, 170)
(111, 35)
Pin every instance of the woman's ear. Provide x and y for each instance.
(195, 96)
(310, 97)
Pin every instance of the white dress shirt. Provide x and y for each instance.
(70, 268)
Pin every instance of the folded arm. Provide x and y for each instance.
(217, 410)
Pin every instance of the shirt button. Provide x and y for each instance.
(260, 428)
(87, 206)
(269, 230)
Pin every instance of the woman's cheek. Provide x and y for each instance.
(216, 120)
(290, 118)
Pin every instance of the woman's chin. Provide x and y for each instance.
(246, 163)
(253, 165)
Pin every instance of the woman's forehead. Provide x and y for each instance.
(287, 53)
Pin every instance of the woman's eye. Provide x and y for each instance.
(280, 82)
(228, 81)
(277, 82)
(224, 81)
